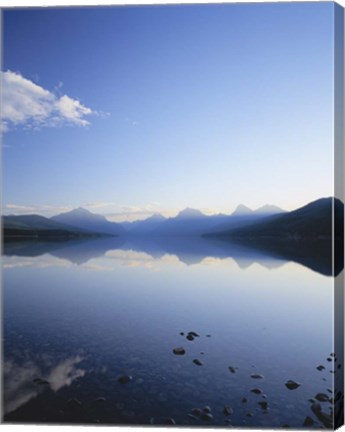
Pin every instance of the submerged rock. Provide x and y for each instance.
(322, 397)
(198, 362)
(320, 368)
(308, 421)
(232, 369)
(194, 334)
(179, 351)
(196, 411)
(73, 403)
(256, 376)
(124, 379)
(228, 410)
(190, 337)
(292, 385)
(244, 400)
(263, 405)
(207, 409)
(162, 420)
(325, 419)
(100, 399)
(40, 381)
(207, 416)
(256, 391)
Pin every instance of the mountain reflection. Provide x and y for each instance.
(189, 250)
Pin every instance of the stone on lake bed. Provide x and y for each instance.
(256, 391)
(207, 416)
(256, 376)
(244, 400)
(74, 403)
(179, 351)
(124, 379)
(228, 410)
(198, 362)
(320, 368)
(207, 409)
(263, 405)
(232, 369)
(100, 399)
(194, 334)
(190, 337)
(40, 381)
(162, 420)
(322, 397)
(292, 385)
(308, 421)
(196, 411)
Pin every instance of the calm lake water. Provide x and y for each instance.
(77, 316)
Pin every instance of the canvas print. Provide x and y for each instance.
(172, 215)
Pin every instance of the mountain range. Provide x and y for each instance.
(313, 221)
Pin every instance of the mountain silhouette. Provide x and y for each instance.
(313, 221)
(192, 222)
(36, 226)
(190, 213)
(304, 235)
(267, 209)
(86, 220)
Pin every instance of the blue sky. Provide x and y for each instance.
(132, 110)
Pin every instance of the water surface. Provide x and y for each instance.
(79, 315)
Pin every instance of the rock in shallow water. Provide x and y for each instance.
(320, 368)
(292, 385)
(232, 369)
(40, 381)
(228, 410)
(196, 411)
(124, 379)
(162, 421)
(207, 417)
(179, 351)
(100, 399)
(263, 405)
(198, 362)
(322, 397)
(308, 421)
(256, 376)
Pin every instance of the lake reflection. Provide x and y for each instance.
(80, 315)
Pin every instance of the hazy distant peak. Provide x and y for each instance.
(156, 217)
(80, 210)
(189, 213)
(241, 209)
(269, 208)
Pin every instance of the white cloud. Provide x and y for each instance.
(29, 105)
(44, 209)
